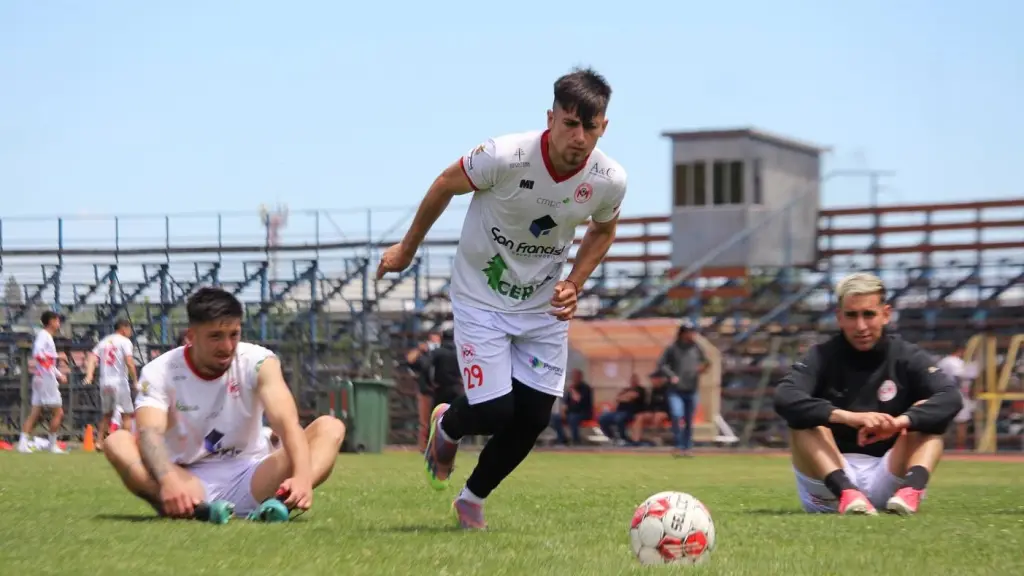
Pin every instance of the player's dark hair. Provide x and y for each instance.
(211, 304)
(47, 317)
(584, 92)
(122, 323)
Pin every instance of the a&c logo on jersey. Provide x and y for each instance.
(542, 226)
(583, 193)
(605, 173)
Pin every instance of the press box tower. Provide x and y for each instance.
(724, 181)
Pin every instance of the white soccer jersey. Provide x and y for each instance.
(112, 352)
(207, 419)
(44, 352)
(960, 371)
(522, 221)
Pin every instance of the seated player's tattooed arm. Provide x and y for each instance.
(794, 395)
(152, 424)
(151, 407)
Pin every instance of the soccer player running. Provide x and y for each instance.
(530, 192)
(117, 374)
(867, 411)
(199, 416)
(45, 389)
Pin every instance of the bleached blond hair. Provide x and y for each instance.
(860, 284)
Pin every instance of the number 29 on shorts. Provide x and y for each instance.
(473, 376)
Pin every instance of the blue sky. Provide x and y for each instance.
(150, 107)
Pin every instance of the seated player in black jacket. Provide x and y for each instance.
(867, 411)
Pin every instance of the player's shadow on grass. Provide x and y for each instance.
(425, 528)
(128, 517)
(774, 512)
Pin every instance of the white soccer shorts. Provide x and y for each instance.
(229, 480)
(869, 474)
(495, 347)
(116, 395)
(46, 393)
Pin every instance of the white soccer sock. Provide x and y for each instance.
(468, 496)
(23, 439)
(53, 440)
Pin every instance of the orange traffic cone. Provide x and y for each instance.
(88, 441)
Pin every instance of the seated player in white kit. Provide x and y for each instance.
(199, 416)
(117, 373)
(511, 306)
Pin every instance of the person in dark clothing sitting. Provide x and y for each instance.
(655, 413)
(630, 402)
(867, 411)
(444, 374)
(577, 407)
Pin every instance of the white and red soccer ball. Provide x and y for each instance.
(672, 528)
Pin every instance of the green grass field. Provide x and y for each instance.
(560, 513)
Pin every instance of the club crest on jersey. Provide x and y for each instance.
(887, 391)
(583, 193)
(468, 352)
(234, 388)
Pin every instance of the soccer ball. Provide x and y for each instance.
(672, 528)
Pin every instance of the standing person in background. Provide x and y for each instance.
(684, 362)
(418, 362)
(444, 373)
(45, 389)
(962, 373)
(113, 354)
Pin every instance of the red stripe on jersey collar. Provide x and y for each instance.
(192, 367)
(551, 169)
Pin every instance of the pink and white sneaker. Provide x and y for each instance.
(905, 501)
(855, 502)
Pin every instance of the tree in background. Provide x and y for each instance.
(12, 292)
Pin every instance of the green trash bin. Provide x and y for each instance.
(365, 408)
